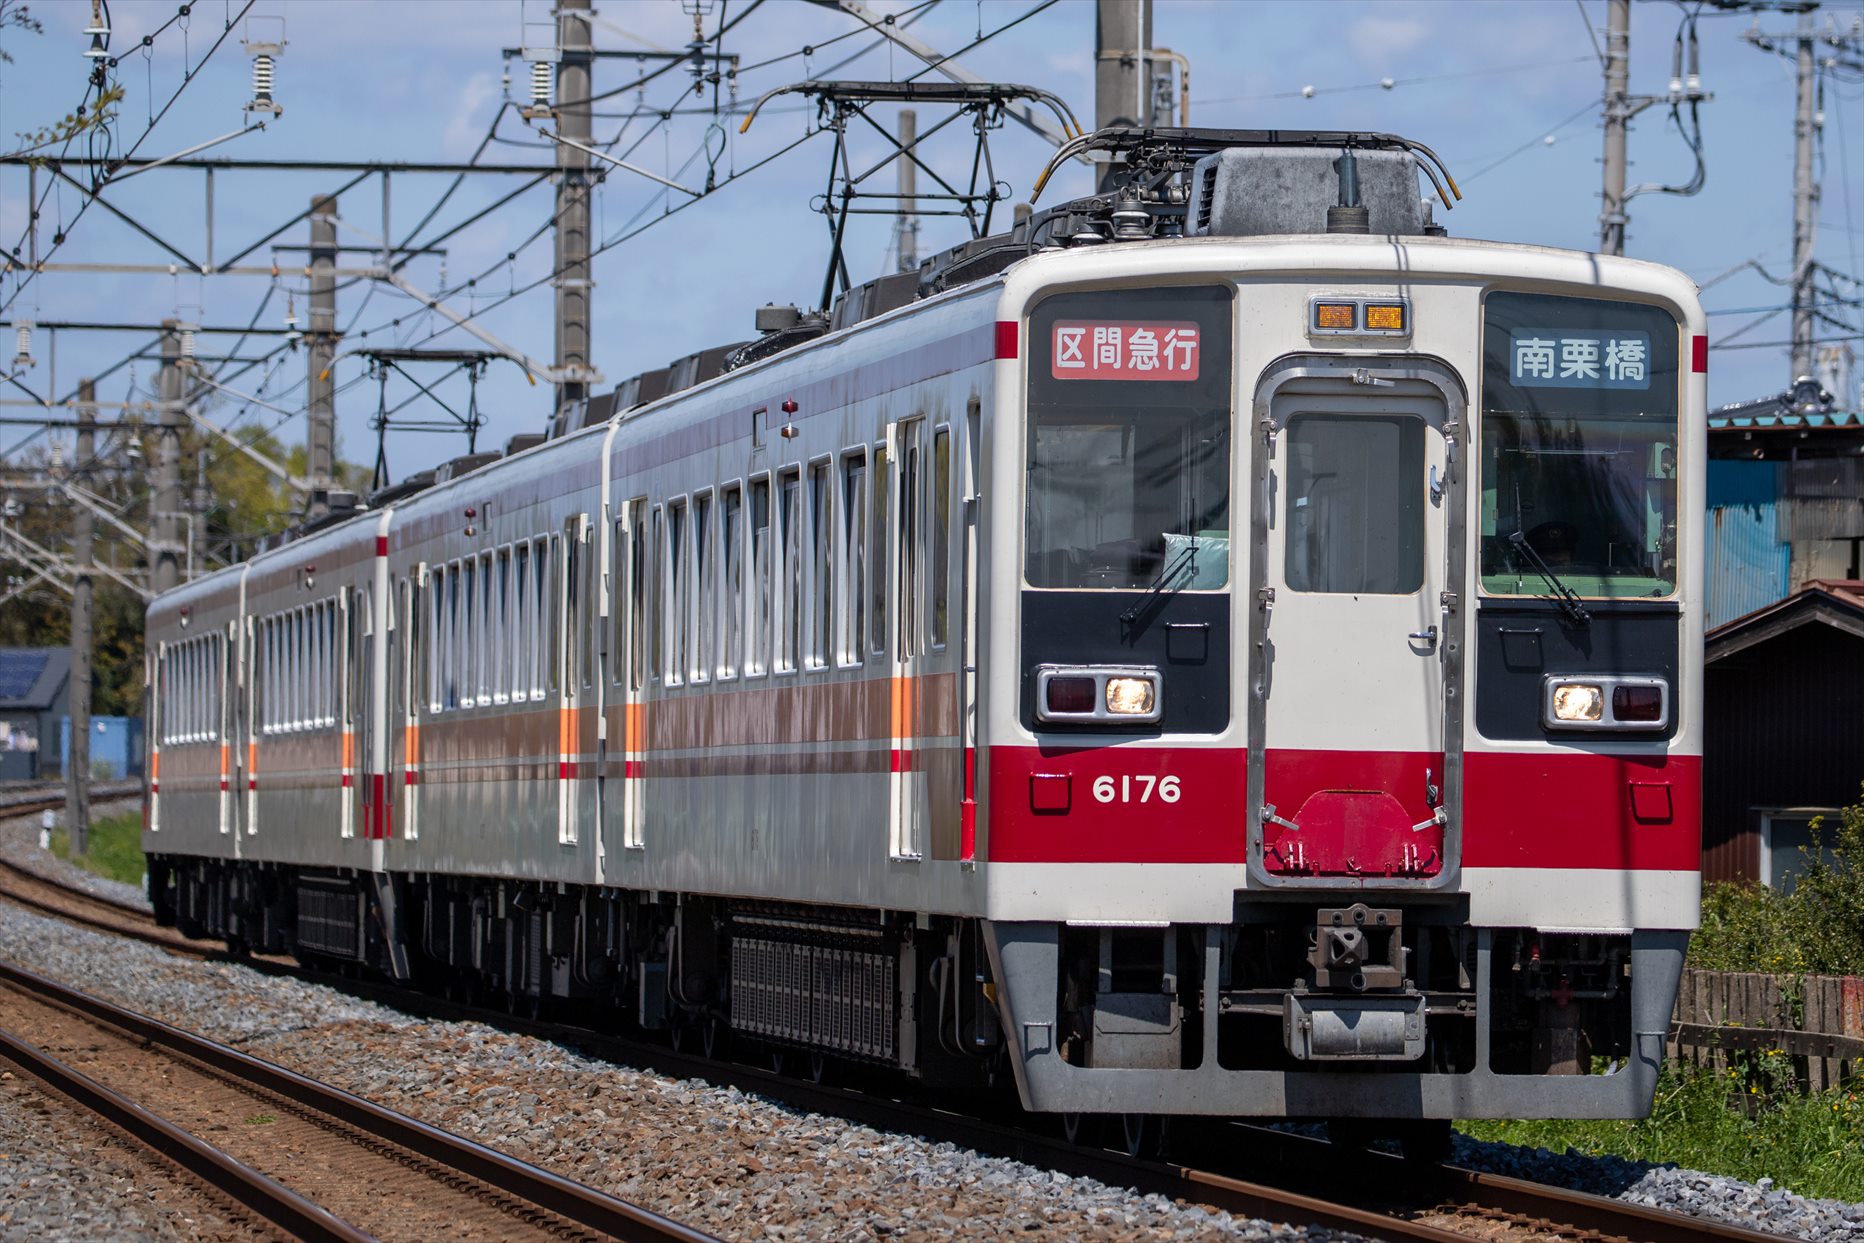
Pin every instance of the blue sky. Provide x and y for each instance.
(1485, 83)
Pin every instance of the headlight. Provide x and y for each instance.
(1098, 694)
(1578, 701)
(1610, 702)
(1130, 696)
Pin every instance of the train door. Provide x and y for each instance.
(626, 676)
(919, 641)
(403, 619)
(580, 698)
(1355, 738)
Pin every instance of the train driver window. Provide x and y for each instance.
(1128, 440)
(1578, 446)
(1354, 519)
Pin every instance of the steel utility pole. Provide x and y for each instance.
(909, 190)
(1844, 51)
(1122, 69)
(1618, 112)
(575, 54)
(165, 549)
(83, 529)
(320, 443)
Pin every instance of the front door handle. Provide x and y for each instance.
(1424, 636)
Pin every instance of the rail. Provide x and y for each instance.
(568, 1200)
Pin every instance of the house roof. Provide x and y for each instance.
(32, 678)
(1835, 602)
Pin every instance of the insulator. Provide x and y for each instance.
(262, 78)
(22, 357)
(187, 343)
(540, 82)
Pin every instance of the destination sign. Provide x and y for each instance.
(1103, 350)
(1578, 358)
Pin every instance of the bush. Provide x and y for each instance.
(1816, 929)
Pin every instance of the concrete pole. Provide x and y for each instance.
(1122, 73)
(83, 529)
(320, 443)
(909, 186)
(198, 507)
(1805, 204)
(1617, 103)
(165, 501)
(575, 48)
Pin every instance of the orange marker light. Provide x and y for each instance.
(1385, 317)
(1336, 315)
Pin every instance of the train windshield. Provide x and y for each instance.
(1129, 440)
(1578, 446)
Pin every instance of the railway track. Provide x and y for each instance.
(1262, 1172)
(316, 1162)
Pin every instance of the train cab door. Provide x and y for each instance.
(1356, 629)
(580, 695)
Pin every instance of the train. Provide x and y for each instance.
(1222, 647)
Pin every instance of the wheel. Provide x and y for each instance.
(1425, 1141)
(779, 1061)
(709, 1035)
(818, 1067)
(676, 1035)
(1139, 1134)
(1072, 1126)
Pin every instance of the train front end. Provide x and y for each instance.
(1341, 659)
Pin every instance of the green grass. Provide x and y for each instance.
(1746, 1123)
(116, 848)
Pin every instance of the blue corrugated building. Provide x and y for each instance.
(1786, 500)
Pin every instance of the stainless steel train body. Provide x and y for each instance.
(1131, 671)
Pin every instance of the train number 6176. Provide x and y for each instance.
(1142, 788)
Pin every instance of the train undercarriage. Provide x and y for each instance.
(1296, 1009)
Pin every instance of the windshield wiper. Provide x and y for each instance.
(1184, 563)
(1568, 598)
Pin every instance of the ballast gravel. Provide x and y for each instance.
(737, 1165)
(715, 1158)
(1760, 1206)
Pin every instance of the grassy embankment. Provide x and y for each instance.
(116, 848)
(1751, 1121)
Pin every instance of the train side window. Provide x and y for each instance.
(637, 592)
(470, 586)
(912, 524)
(519, 658)
(450, 698)
(501, 629)
(292, 647)
(589, 616)
(731, 567)
(877, 573)
(618, 602)
(657, 559)
(675, 605)
(543, 666)
(488, 621)
(572, 603)
(705, 589)
(854, 554)
(941, 536)
(822, 565)
(789, 531)
(553, 624)
(757, 648)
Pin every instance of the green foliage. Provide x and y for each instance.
(1742, 1123)
(101, 112)
(1817, 929)
(116, 848)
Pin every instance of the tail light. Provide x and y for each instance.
(1098, 694)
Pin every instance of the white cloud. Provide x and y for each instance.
(467, 125)
(1380, 41)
